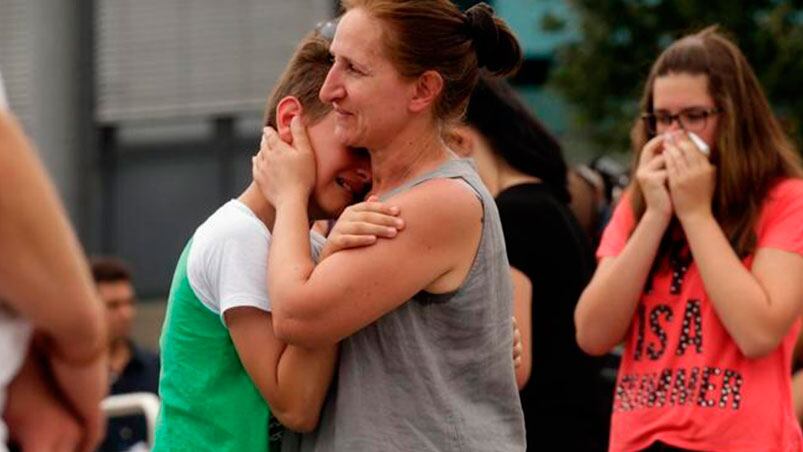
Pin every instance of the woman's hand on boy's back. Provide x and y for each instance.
(362, 224)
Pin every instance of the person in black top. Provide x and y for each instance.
(131, 368)
(565, 403)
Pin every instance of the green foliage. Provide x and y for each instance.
(603, 72)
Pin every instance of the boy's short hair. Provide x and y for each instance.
(303, 79)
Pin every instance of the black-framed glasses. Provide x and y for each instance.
(327, 28)
(692, 119)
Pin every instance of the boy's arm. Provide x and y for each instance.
(230, 266)
(362, 225)
(293, 380)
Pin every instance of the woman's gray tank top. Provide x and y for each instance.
(435, 374)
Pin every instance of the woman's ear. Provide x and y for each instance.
(426, 91)
(460, 139)
(287, 108)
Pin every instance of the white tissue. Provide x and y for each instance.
(701, 145)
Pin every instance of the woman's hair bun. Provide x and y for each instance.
(497, 49)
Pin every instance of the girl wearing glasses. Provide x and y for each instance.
(701, 267)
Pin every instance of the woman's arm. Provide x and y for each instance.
(756, 306)
(353, 288)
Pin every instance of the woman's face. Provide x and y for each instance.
(343, 174)
(369, 96)
(685, 94)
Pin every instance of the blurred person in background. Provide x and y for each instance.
(131, 368)
(551, 262)
(596, 189)
(701, 266)
(615, 178)
(587, 190)
(46, 292)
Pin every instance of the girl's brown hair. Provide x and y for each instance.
(752, 150)
(422, 35)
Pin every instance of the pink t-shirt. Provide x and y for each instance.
(682, 379)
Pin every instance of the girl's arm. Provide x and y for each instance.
(606, 306)
(756, 306)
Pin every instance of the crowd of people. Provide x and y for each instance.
(453, 301)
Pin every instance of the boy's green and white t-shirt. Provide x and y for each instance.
(208, 400)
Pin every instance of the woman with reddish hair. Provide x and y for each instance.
(423, 319)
